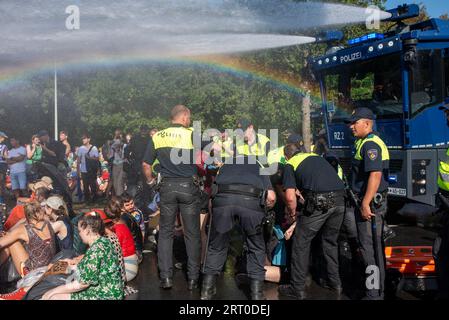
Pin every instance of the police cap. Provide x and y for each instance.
(361, 113)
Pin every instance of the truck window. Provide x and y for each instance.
(426, 80)
(376, 84)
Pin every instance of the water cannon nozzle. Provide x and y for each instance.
(329, 36)
(403, 12)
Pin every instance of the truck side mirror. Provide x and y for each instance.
(410, 55)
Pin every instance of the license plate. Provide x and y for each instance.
(397, 192)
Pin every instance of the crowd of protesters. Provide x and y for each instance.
(100, 250)
(40, 181)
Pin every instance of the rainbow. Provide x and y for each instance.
(14, 76)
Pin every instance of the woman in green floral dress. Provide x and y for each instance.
(97, 276)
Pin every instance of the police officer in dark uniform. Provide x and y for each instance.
(323, 194)
(240, 195)
(173, 148)
(441, 245)
(369, 182)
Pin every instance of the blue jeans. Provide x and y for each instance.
(19, 181)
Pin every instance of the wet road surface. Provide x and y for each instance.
(231, 288)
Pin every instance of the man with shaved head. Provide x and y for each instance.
(369, 181)
(179, 190)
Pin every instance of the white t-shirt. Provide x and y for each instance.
(81, 154)
(18, 166)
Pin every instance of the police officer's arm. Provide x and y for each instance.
(372, 157)
(289, 183)
(147, 162)
(271, 195)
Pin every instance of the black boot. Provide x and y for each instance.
(166, 283)
(256, 287)
(289, 291)
(208, 288)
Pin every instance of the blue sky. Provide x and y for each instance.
(435, 7)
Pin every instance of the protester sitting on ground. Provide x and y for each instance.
(57, 212)
(97, 275)
(44, 182)
(103, 182)
(39, 241)
(134, 227)
(277, 265)
(71, 182)
(17, 214)
(130, 208)
(17, 168)
(112, 237)
(114, 211)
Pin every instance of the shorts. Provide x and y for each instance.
(19, 181)
(3, 168)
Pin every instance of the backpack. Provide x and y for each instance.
(92, 165)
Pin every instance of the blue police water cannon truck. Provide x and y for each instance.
(403, 76)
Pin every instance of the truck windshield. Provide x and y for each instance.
(426, 85)
(375, 84)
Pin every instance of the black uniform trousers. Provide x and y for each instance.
(308, 225)
(179, 195)
(226, 208)
(365, 236)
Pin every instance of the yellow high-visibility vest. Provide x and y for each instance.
(257, 149)
(276, 156)
(371, 137)
(297, 159)
(174, 137)
(443, 173)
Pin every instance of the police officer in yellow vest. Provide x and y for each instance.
(369, 181)
(277, 155)
(441, 245)
(324, 206)
(173, 148)
(255, 144)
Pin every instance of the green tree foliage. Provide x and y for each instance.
(129, 96)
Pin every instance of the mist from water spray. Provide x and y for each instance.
(35, 31)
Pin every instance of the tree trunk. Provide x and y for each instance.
(306, 133)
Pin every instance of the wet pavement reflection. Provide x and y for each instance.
(230, 287)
